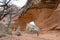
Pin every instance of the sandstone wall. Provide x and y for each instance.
(44, 16)
(48, 19)
(28, 17)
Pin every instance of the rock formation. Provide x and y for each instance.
(4, 30)
(42, 12)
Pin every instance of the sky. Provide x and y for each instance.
(18, 3)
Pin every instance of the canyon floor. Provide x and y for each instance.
(45, 35)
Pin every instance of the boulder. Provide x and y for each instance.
(17, 32)
(4, 30)
(32, 28)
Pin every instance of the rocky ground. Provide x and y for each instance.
(46, 35)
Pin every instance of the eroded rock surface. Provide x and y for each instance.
(4, 30)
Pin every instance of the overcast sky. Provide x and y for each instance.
(18, 3)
